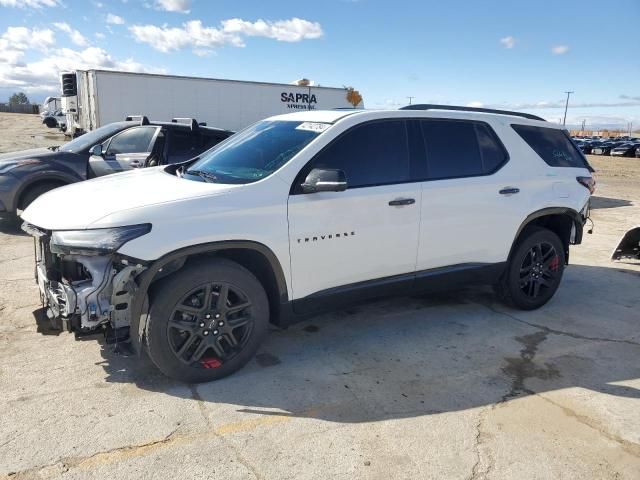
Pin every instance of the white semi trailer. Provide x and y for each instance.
(92, 98)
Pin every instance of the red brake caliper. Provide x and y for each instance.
(211, 362)
(555, 263)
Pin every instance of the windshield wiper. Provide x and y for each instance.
(206, 176)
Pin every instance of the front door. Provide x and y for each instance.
(367, 233)
(127, 150)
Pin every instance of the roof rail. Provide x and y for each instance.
(134, 118)
(186, 121)
(427, 106)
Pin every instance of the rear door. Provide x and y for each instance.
(367, 233)
(471, 199)
(126, 150)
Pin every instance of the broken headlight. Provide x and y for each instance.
(97, 241)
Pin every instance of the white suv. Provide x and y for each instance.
(305, 211)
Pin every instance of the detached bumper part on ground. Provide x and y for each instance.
(629, 246)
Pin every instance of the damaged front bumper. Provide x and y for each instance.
(85, 293)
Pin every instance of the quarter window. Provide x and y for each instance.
(134, 140)
(371, 154)
(552, 145)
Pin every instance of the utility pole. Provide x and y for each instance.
(410, 98)
(566, 105)
(583, 122)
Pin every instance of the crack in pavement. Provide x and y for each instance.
(107, 456)
(243, 461)
(628, 446)
(479, 442)
(560, 332)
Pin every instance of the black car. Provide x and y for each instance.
(115, 147)
(587, 146)
(624, 150)
(604, 148)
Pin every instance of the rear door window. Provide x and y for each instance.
(456, 149)
(552, 145)
(183, 145)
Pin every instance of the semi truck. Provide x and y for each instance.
(92, 98)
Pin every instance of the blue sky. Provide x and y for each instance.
(509, 54)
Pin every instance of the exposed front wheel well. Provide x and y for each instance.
(253, 260)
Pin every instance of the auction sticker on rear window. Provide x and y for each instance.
(313, 126)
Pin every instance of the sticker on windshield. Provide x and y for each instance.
(313, 126)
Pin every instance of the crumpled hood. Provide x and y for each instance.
(22, 154)
(79, 205)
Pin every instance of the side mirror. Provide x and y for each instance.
(96, 150)
(321, 180)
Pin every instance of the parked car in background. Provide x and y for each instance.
(604, 148)
(119, 146)
(638, 151)
(587, 146)
(55, 119)
(624, 150)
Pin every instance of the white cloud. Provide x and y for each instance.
(29, 3)
(43, 73)
(508, 42)
(203, 52)
(99, 35)
(114, 19)
(292, 30)
(475, 104)
(16, 40)
(75, 36)
(182, 6)
(231, 32)
(559, 49)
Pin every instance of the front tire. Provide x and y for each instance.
(534, 270)
(206, 321)
(35, 191)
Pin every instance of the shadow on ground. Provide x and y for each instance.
(11, 226)
(406, 357)
(605, 202)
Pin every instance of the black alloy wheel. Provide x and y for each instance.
(534, 269)
(206, 321)
(210, 325)
(539, 267)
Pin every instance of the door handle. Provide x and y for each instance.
(509, 191)
(402, 201)
(135, 163)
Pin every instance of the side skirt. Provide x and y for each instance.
(432, 280)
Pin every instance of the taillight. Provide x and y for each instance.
(587, 182)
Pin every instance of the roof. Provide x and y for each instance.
(323, 116)
(184, 126)
(332, 116)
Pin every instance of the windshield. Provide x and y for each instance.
(92, 138)
(255, 152)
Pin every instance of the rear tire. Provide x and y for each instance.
(534, 270)
(206, 321)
